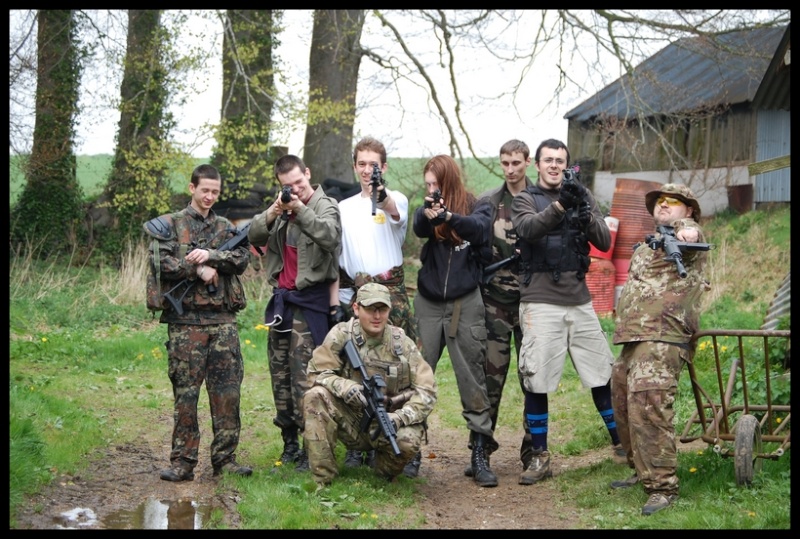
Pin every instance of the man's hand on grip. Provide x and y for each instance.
(354, 396)
(571, 195)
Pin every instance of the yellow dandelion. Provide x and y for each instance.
(777, 420)
(139, 356)
(723, 348)
(751, 514)
(373, 515)
(692, 470)
(247, 341)
(32, 388)
(700, 452)
(278, 463)
(44, 339)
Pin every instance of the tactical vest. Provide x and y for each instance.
(397, 376)
(564, 248)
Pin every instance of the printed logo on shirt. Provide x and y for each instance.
(379, 218)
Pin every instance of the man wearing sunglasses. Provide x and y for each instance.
(657, 313)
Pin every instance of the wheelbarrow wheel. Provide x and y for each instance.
(747, 449)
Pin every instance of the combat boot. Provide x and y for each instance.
(352, 458)
(302, 462)
(234, 468)
(291, 447)
(481, 473)
(411, 469)
(468, 469)
(177, 473)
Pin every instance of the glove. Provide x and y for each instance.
(354, 397)
(382, 194)
(336, 315)
(439, 219)
(585, 215)
(570, 196)
(395, 420)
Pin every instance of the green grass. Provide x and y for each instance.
(87, 369)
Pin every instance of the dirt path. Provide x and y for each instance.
(121, 490)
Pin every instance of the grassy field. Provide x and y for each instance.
(86, 358)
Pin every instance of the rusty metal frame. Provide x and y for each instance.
(717, 428)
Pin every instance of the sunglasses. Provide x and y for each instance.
(669, 200)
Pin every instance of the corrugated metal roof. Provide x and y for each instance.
(690, 74)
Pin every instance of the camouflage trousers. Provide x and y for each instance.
(644, 382)
(288, 354)
(502, 322)
(328, 419)
(211, 353)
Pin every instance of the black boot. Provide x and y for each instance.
(481, 473)
(412, 468)
(291, 447)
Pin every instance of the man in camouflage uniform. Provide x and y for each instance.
(372, 251)
(203, 341)
(657, 314)
(335, 402)
(501, 293)
(303, 238)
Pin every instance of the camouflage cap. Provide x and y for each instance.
(675, 190)
(372, 293)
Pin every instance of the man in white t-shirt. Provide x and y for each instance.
(372, 246)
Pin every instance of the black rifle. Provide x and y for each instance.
(286, 197)
(240, 238)
(373, 391)
(674, 248)
(375, 181)
(491, 269)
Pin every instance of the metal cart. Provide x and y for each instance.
(731, 422)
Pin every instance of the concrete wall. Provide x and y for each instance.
(711, 189)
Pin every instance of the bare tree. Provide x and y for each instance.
(242, 153)
(138, 180)
(49, 207)
(333, 77)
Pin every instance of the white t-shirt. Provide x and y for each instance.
(371, 244)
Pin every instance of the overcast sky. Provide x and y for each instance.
(402, 120)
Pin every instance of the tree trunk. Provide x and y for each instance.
(138, 186)
(333, 78)
(50, 206)
(242, 154)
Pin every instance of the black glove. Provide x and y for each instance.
(382, 194)
(585, 215)
(336, 315)
(570, 196)
(439, 219)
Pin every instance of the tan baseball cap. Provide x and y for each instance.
(372, 293)
(675, 190)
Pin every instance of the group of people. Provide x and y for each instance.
(336, 270)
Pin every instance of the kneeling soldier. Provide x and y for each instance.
(335, 403)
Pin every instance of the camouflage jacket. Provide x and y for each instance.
(395, 357)
(656, 304)
(200, 306)
(504, 287)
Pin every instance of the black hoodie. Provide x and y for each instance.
(450, 271)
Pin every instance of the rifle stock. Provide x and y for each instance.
(373, 391)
